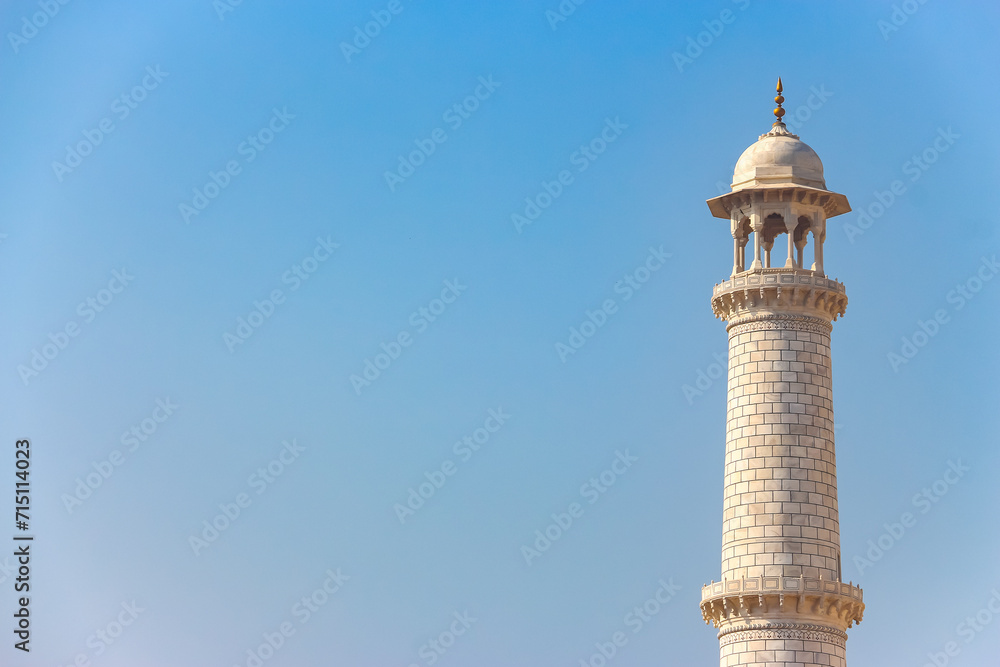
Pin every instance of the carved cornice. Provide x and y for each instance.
(797, 601)
(800, 631)
(767, 293)
(832, 203)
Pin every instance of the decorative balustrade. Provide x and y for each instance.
(752, 598)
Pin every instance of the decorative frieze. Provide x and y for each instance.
(788, 631)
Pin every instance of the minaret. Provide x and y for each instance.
(781, 600)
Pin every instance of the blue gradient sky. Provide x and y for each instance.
(162, 336)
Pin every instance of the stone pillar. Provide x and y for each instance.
(819, 236)
(757, 222)
(780, 600)
(799, 246)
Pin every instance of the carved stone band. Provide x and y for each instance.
(794, 631)
(779, 291)
(782, 599)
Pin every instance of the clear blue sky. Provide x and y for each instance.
(288, 136)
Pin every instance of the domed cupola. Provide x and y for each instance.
(778, 158)
(778, 188)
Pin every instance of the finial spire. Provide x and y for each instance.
(778, 111)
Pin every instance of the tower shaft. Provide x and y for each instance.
(780, 509)
(780, 600)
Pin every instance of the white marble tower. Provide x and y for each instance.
(781, 602)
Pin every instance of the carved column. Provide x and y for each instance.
(757, 222)
(819, 236)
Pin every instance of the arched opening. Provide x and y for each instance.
(774, 224)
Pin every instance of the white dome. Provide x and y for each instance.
(778, 158)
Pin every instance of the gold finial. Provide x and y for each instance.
(778, 111)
